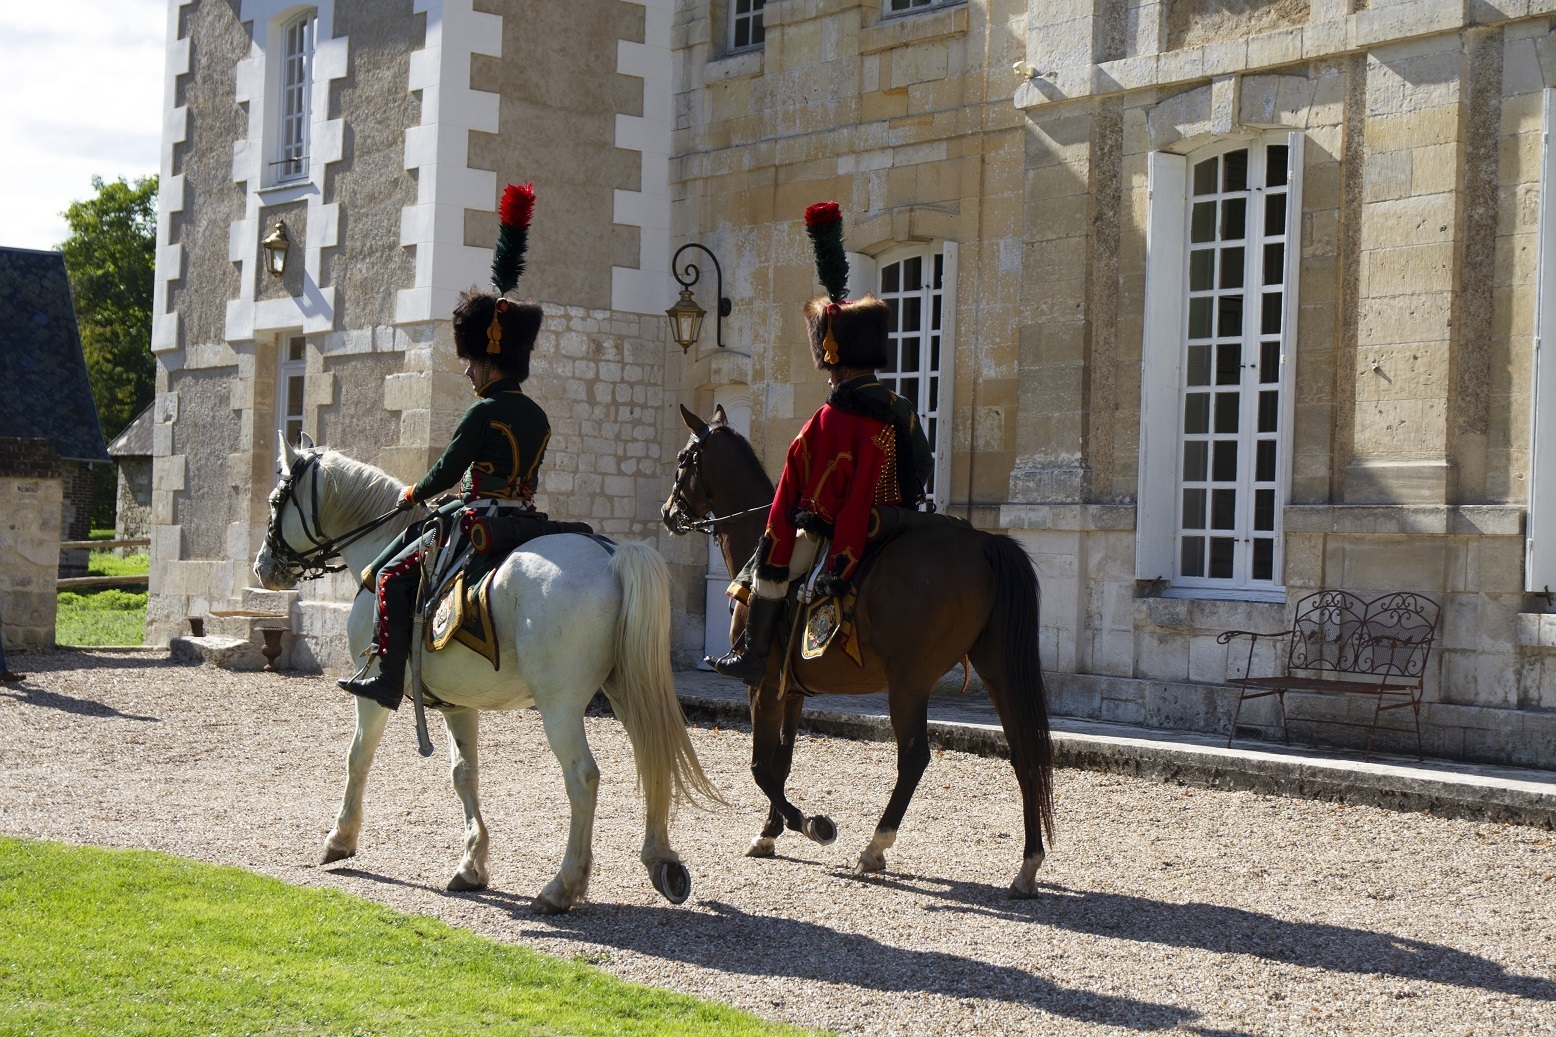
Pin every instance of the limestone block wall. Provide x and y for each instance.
(132, 517)
(30, 513)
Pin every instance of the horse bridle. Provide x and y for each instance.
(680, 520)
(314, 562)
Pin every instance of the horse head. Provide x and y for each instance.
(689, 499)
(279, 565)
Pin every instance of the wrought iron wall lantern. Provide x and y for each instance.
(276, 244)
(686, 316)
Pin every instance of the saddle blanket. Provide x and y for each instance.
(464, 614)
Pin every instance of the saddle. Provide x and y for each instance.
(461, 609)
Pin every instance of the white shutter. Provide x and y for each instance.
(1540, 543)
(1160, 378)
(942, 447)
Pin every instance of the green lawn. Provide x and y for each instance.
(134, 943)
(107, 615)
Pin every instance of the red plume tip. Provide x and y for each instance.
(518, 203)
(823, 213)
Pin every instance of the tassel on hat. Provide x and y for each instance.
(514, 212)
(824, 224)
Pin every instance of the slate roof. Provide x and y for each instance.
(44, 391)
(135, 440)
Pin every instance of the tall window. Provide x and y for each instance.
(913, 288)
(289, 391)
(745, 24)
(1233, 408)
(295, 82)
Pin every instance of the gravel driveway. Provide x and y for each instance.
(1209, 912)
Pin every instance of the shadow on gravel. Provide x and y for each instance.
(1231, 930)
(29, 695)
(731, 941)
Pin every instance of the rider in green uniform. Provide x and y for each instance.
(497, 448)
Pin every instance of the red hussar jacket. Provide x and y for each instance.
(839, 465)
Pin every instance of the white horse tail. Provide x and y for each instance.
(641, 686)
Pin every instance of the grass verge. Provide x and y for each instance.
(135, 943)
(104, 616)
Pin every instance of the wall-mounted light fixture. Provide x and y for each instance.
(686, 316)
(275, 245)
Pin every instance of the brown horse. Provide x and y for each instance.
(933, 597)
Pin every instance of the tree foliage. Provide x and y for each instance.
(110, 257)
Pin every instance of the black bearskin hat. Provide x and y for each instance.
(520, 323)
(858, 330)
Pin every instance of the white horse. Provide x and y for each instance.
(571, 619)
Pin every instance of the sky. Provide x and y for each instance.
(81, 95)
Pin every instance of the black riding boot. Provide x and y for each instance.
(748, 661)
(388, 687)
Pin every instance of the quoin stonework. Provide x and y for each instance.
(1211, 305)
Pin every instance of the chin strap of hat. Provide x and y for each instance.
(514, 212)
(824, 224)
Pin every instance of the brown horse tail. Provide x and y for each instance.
(1014, 622)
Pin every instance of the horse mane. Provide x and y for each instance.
(748, 453)
(354, 492)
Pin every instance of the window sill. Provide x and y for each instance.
(1223, 594)
(739, 65)
(291, 191)
(905, 27)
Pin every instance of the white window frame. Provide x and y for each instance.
(291, 97)
(289, 367)
(1540, 541)
(900, 8)
(865, 273)
(751, 19)
(1157, 545)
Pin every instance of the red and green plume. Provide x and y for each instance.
(824, 224)
(515, 209)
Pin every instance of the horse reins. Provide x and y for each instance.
(692, 458)
(313, 563)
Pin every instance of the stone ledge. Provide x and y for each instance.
(1402, 519)
(1087, 518)
(920, 27)
(225, 653)
(1537, 630)
(735, 66)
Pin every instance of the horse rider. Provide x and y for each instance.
(864, 447)
(496, 450)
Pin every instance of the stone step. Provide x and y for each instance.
(258, 599)
(227, 653)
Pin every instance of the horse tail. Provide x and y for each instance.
(641, 685)
(1013, 631)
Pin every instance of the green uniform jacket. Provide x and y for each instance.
(501, 441)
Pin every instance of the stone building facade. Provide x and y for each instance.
(31, 503)
(1211, 305)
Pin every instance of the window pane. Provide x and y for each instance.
(910, 354)
(1269, 319)
(1196, 413)
(1205, 176)
(910, 390)
(1269, 361)
(934, 352)
(1225, 467)
(1221, 557)
(294, 394)
(939, 272)
(1274, 262)
(1231, 268)
(1199, 365)
(1229, 364)
(1226, 412)
(1195, 453)
(934, 316)
(912, 315)
(743, 33)
(1223, 509)
(1275, 162)
(1229, 316)
(1264, 467)
(1234, 219)
(1274, 214)
(1263, 558)
(1264, 510)
(934, 396)
(912, 274)
(1202, 222)
(889, 276)
(1193, 509)
(1234, 166)
(1194, 556)
(1202, 265)
(1269, 409)
(1199, 318)
(295, 348)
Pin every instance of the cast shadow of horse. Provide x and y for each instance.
(29, 694)
(731, 941)
(1231, 930)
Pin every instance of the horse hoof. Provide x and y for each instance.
(547, 905)
(336, 853)
(1018, 891)
(821, 829)
(460, 884)
(870, 864)
(761, 846)
(671, 879)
